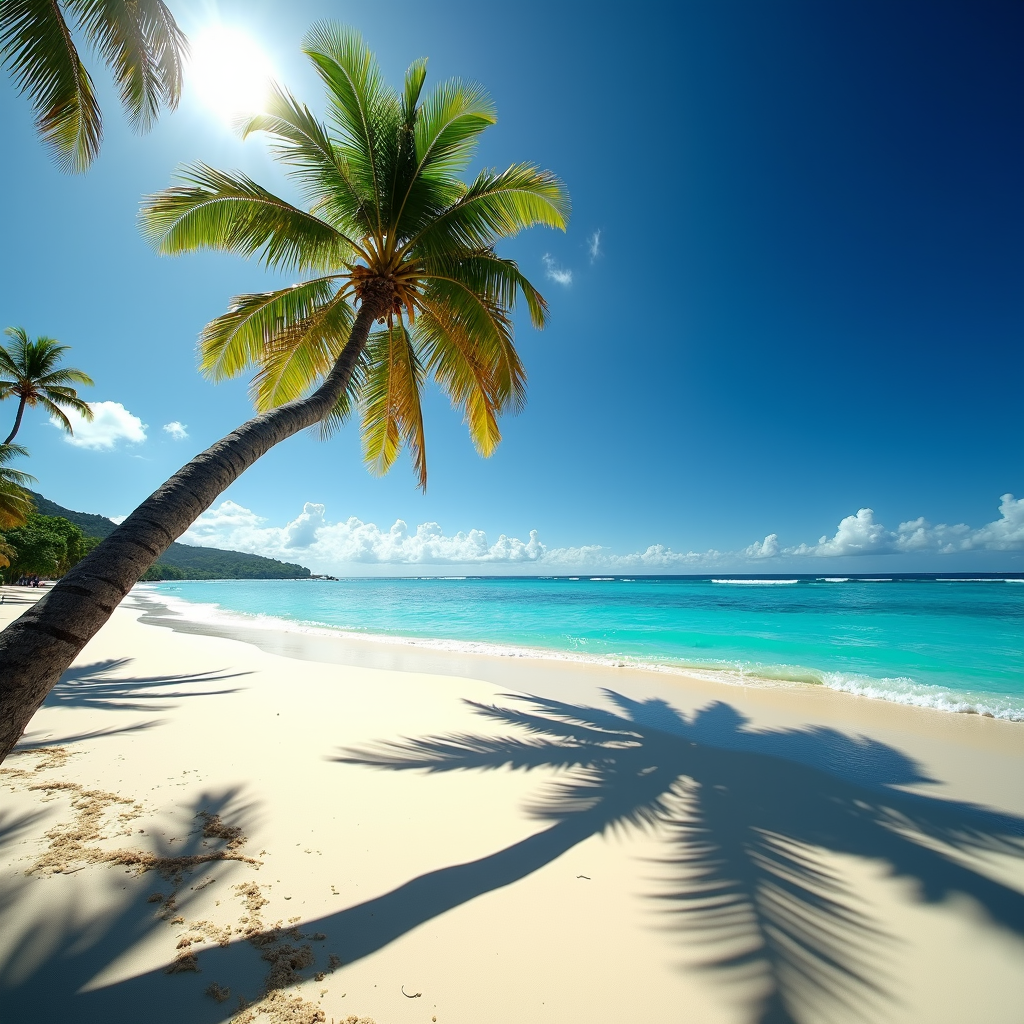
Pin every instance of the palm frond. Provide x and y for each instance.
(15, 505)
(364, 109)
(390, 400)
(449, 122)
(238, 339)
(302, 353)
(215, 210)
(456, 362)
(497, 205)
(300, 142)
(144, 48)
(37, 46)
(486, 326)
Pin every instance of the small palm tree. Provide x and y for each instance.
(403, 282)
(15, 504)
(30, 371)
(137, 39)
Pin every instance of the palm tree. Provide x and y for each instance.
(137, 39)
(15, 504)
(404, 283)
(29, 369)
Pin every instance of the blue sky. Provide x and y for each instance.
(805, 298)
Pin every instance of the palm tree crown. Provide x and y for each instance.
(138, 39)
(30, 371)
(388, 227)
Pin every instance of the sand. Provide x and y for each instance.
(270, 828)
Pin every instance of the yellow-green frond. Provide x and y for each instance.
(390, 402)
(240, 338)
(215, 210)
(302, 354)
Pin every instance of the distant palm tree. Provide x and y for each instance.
(15, 504)
(137, 39)
(30, 371)
(392, 237)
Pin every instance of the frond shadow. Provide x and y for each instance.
(48, 958)
(99, 687)
(745, 815)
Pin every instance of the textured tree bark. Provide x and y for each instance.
(36, 648)
(17, 422)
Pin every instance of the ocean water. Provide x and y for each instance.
(951, 643)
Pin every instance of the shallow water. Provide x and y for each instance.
(954, 644)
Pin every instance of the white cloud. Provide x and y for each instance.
(330, 544)
(768, 548)
(555, 272)
(857, 535)
(326, 546)
(329, 547)
(1007, 532)
(111, 423)
(178, 431)
(594, 245)
(861, 535)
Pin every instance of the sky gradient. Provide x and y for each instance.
(792, 289)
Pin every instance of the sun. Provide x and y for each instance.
(229, 71)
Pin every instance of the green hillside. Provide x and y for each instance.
(183, 561)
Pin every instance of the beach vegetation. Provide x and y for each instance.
(31, 372)
(400, 284)
(46, 546)
(138, 40)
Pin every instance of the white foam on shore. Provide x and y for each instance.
(899, 690)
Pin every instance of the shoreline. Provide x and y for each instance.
(251, 627)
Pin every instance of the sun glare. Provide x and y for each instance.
(230, 72)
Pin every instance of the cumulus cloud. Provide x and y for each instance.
(862, 535)
(1007, 532)
(353, 541)
(556, 273)
(594, 245)
(768, 548)
(111, 423)
(178, 431)
(327, 546)
(341, 547)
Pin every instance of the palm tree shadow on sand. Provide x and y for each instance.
(744, 815)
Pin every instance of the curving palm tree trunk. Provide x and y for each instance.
(36, 648)
(17, 422)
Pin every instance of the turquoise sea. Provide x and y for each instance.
(953, 643)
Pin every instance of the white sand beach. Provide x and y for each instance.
(196, 828)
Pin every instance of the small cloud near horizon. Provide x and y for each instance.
(111, 422)
(594, 245)
(556, 273)
(178, 431)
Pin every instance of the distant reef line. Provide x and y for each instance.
(184, 561)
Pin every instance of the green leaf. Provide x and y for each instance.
(216, 210)
(36, 45)
(390, 399)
